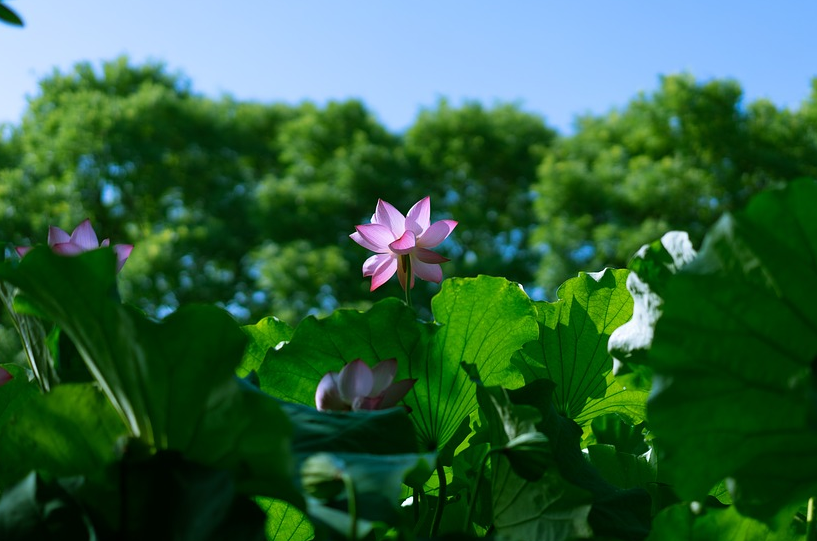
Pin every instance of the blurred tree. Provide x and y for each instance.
(674, 160)
(251, 205)
(150, 163)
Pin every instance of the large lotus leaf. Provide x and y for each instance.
(651, 267)
(733, 355)
(171, 382)
(482, 321)
(388, 330)
(478, 320)
(685, 522)
(72, 430)
(572, 352)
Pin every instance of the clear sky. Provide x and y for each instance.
(555, 58)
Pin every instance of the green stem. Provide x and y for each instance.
(415, 503)
(352, 506)
(477, 484)
(438, 513)
(406, 260)
(811, 527)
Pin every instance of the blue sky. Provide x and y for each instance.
(557, 59)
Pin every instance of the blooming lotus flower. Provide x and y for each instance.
(82, 239)
(5, 376)
(398, 240)
(358, 387)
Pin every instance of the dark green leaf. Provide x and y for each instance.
(377, 432)
(43, 510)
(172, 382)
(72, 430)
(733, 355)
(8, 16)
(544, 506)
(694, 522)
(172, 498)
(15, 392)
(624, 470)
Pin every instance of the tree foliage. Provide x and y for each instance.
(250, 204)
(673, 160)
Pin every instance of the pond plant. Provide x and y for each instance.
(674, 399)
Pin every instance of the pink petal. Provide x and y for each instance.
(385, 214)
(418, 217)
(57, 236)
(122, 252)
(355, 380)
(383, 373)
(22, 250)
(84, 236)
(427, 256)
(404, 245)
(5, 376)
(374, 237)
(327, 396)
(396, 392)
(105, 243)
(380, 267)
(437, 233)
(367, 403)
(68, 248)
(430, 272)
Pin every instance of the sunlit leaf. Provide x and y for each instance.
(285, 522)
(264, 335)
(572, 352)
(482, 321)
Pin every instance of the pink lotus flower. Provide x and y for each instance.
(82, 239)
(399, 239)
(358, 387)
(5, 376)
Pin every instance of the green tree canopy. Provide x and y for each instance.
(250, 204)
(675, 159)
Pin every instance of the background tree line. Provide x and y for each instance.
(250, 204)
